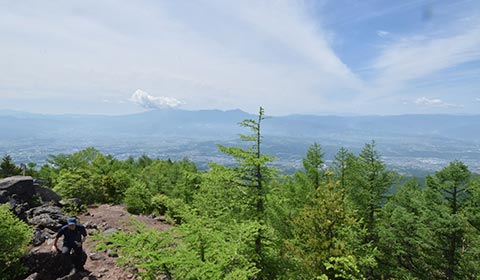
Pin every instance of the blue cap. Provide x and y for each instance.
(72, 221)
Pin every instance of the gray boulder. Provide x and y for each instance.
(46, 195)
(49, 266)
(18, 206)
(47, 216)
(3, 196)
(41, 235)
(22, 194)
(22, 186)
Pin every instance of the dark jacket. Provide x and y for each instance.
(72, 236)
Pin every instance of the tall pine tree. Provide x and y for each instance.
(450, 195)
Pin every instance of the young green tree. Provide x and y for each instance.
(250, 177)
(367, 186)
(8, 167)
(138, 198)
(405, 237)
(344, 165)
(72, 162)
(290, 194)
(450, 194)
(327, 239)
(313, 165)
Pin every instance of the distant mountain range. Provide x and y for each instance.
(216, 124)
(417, 136)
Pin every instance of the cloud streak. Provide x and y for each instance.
(435, 102)
(147, 101)
(383, 33)
(417, 57)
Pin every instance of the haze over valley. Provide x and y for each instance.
(410, 144)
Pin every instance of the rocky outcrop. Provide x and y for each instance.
(21, 186)
(21, 190)
(46, 265)
(49, 266)
(46, 195)
(32, 203)
(39, 207)
(46, 216)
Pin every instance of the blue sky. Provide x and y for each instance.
(308, 57)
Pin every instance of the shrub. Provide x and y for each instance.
(76, 185)
(14, 238)
(137, 198)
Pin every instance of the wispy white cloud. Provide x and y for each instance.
(434, 102)
(281, 54)
(419, 56)
(147, 101)
(383, 33)
(211, 54)
(478, 99)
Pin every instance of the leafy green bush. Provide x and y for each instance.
(172, 208)
(137, 198)
(76, 185)
(14, 238)
(71, 208)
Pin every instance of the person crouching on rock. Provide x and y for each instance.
(73, 236)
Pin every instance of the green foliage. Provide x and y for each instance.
(72, 209)
(405, 235)
(179, 179)
(31, 170)
(245, 222)
(345, 267)
(138, 198)
(250, 179)
(14, 238)
(313, 165)
(76, 184)
(327, 237)
(8, 167)
(173, 208)
(345, 167)
(97, 178)
(194, 250)
(450, 196)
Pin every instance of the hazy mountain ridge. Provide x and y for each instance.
(402, 139)
(224, 123)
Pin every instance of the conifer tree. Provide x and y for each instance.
(340, 165)
(346, 168)
(367, 186)
(450, 194)
(327, 241)
(370, 185)
(251, 176)
(313, 165)
(405, 237)
(8, 167)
